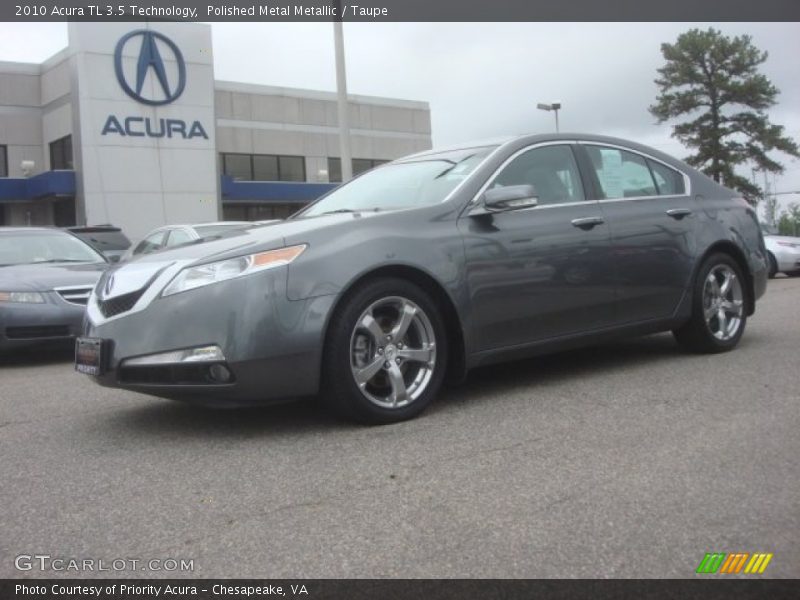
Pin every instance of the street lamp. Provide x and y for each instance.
(554, 106)
(341, 96)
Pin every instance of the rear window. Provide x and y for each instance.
(106, 239)
(212, 230)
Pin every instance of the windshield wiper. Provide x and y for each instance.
(338, 210)
(453, 166)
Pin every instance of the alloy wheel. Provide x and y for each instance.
(723, 303)
(393, 352)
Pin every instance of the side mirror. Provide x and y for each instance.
(512, 197)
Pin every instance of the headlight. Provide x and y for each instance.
(195, 277)
(26, 297)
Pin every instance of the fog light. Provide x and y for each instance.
(188, 355)
(219, 373)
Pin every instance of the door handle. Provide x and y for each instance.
(679, 213)
(587, 223)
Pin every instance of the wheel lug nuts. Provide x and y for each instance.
(389, 338)
(399, 346)
(397, 360)
(380, 350)
(387, 364)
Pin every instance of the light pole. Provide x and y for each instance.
(341, 95)
(554, 106)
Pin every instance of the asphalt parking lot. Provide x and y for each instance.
(627, 460)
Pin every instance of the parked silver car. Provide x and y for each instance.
(46, 276)
(783, 253)
(420, 269)
(176, 235)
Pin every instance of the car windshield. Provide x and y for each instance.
(33, 247)
(422, 182)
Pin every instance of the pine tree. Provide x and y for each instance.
(714, 81)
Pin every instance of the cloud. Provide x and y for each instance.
(481, 79)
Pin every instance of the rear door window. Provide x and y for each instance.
(621, 174)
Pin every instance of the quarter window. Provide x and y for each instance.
(551, 170)
(668, 181)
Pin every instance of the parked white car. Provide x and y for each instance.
(169, 236)
(784, 254)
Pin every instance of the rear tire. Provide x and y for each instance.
(385, 353)
(773, 265)
(719, 310)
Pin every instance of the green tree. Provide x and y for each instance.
(713, 80)
(789, 223)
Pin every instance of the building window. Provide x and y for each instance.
(3, 161)
(61, 154)
(359, 166)
(264, 167)
(266, 211)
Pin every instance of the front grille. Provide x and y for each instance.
(37, 331)
(75, 294)
(120, 304)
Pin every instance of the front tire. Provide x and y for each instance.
(385, 353)
(718, 308)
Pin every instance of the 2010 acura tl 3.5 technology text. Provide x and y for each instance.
(420, 269)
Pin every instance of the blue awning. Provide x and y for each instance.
(47, 184)
(272, 191)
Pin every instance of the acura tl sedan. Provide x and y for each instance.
(418, 270)
(46, 277)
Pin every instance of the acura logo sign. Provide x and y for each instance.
(167, 82)
(150, 61)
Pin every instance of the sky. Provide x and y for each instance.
(483, 80)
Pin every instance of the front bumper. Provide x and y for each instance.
(272, 346)
(29, 324)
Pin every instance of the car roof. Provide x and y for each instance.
(14, 229)
(535, 138)
(208, 224)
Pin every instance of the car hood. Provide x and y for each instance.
(45, 277)
(134, 274)
(255, 239)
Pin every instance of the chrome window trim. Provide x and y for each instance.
(687, 182)
(505, 163)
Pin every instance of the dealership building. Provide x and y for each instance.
(128, 126)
